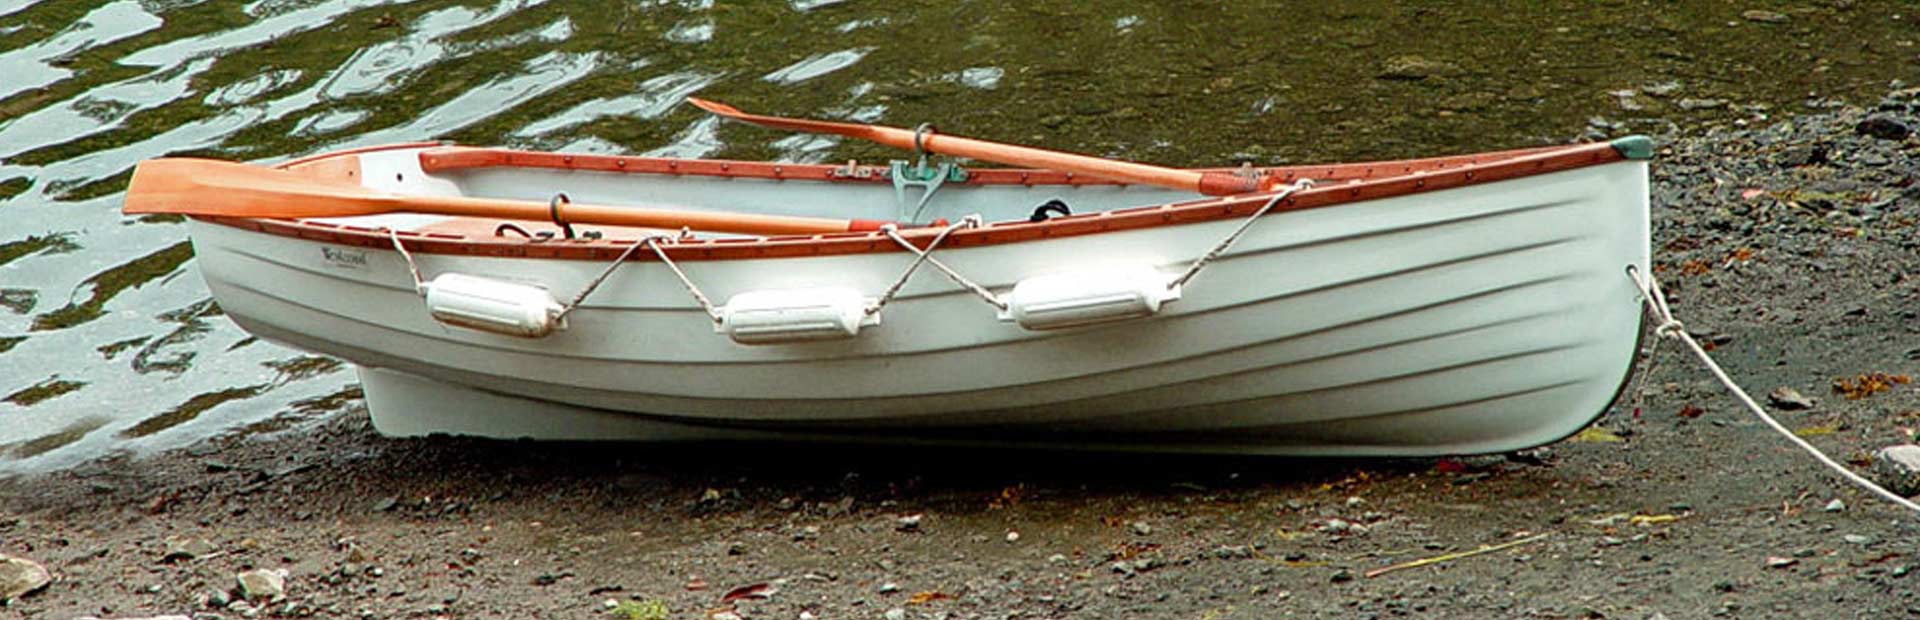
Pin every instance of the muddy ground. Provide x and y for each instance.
(1791, 246)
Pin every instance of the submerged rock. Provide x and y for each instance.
(1884, 127)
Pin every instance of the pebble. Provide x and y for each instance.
(889, 588)
(1856, 539)
(263, 584)
(187, 548)
(909, 523)
(20, 577)
(1898, 469)
(1056, 558)
(1788, 399)
(1013, 537)
(1780, 562)
(1836, 506)
(1763, 16)
(1142, 528)
(896, 613)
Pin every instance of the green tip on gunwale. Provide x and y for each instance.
(1634, 147)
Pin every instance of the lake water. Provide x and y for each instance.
(109, 342)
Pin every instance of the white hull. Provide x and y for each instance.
(1482, 318)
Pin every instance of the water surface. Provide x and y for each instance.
(110, 343)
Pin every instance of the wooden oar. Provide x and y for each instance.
(1211, 183)
(220, 188)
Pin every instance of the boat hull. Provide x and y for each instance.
(1483, 318)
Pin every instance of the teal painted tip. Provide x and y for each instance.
(1634, 147)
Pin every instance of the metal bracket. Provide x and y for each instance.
(927, 178)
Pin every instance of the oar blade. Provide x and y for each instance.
(851, 130)
(207, 187)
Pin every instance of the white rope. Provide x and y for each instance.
(419, 285)
(1670, 327)
(926, 256)
(1214, 253)
(582, 296)
(705, 304)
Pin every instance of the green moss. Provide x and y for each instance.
(90, 190)
(112, 282)
(648, 609)
(54, 441)
(191, 409)
(8, 342)
(43, 391)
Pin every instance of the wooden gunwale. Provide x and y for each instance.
(1337, 184)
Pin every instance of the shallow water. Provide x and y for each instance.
(109, 341)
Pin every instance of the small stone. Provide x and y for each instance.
(1788, 399)
(1355, 501)
(1056, 558)
(1413, 68)
(262, 584)
(20, 577)
(909, 523)
(1013, 537)
(186, 548)
(1702, 104)
(1836, 506)
(896, 613)
(1142, 528)
(1780, 562)
(889, 588)
(1124, 568)
(386, 503)
(1856, 539)
(1884, 127)
(1766, 17)
(1898, 469)
(218, 599)
(1233, 552)
(1342, 576)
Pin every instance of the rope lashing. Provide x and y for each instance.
(1669, 327)
(653, 242)
(1218, 248)
(926, 257)
(595, 283)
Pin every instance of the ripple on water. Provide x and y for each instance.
(817, 65)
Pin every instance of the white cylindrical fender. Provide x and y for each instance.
(492, 305)
(1062, 300)
(794, 315)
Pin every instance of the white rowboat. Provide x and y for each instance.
(1442, 306)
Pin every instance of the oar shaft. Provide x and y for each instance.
(1211, 183)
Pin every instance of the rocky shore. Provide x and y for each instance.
(1790, 245)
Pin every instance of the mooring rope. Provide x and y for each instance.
(698, 297)
(419, 286)
(1670, 327)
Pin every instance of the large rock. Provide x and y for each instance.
(1884, 127)
(20, 577)
(263, 585)
(1898, 469)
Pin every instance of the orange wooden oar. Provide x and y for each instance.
(221, 188)
(1211, 183)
